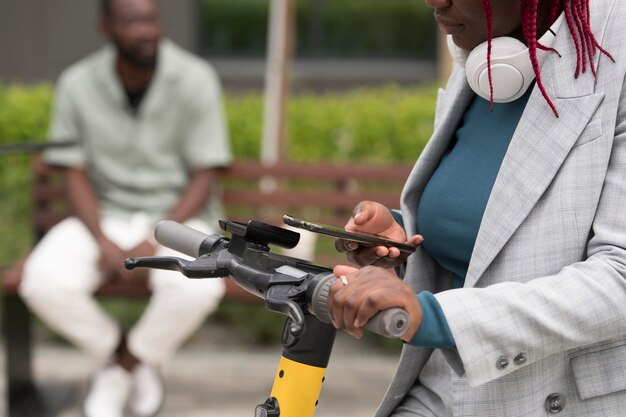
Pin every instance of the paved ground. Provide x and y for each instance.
(214, 378)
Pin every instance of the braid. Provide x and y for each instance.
(578, 18)
(585, 48)
(529, 29)
(487, 7)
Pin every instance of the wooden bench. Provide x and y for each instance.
(327, 193)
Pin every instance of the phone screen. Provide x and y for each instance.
(341, 233)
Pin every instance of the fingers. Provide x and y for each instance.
(375, 255)
(343, 245)
(370, 217)
(112, 260)
(415, 240)
(374, 218)
(340, 270)
(363, 212)
(360, 305)
(351, 306)
(110, 256)
(369, 291)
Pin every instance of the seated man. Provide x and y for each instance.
(151, 135)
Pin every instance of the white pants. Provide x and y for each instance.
(61, 275)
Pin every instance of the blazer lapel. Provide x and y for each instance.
(537, 150)
(455, 104)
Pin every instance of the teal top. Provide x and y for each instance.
(454, 200)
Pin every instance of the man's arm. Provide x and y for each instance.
(195, 195)
(84, 204)
(193, 198)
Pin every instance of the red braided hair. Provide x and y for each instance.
(578, 20)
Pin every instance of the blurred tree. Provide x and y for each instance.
(346, 28)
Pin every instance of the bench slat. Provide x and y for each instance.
(255, 170)
(306, 199)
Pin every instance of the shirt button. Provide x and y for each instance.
(520, 359)
(555, 403)
(502, 362)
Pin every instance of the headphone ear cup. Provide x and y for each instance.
(511, 69)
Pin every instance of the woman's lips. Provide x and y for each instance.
(448, 27)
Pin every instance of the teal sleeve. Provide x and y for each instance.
(397, 215)
(434, 331)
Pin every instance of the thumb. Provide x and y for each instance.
(416, 240)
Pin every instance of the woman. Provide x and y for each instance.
(521, 205)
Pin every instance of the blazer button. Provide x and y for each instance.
(555, 403)
(520, 359)
(502, 362)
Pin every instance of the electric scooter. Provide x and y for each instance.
(290, 286)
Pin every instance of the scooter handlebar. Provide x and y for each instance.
(392, 322)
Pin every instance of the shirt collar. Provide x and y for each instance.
(166, 71)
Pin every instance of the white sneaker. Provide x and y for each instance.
(147, 397)
(109, 392)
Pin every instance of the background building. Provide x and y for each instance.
(339, 44)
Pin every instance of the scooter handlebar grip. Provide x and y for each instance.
(179, 237)
(392, 322)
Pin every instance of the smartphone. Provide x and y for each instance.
(341, 233)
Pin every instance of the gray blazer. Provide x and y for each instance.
(543, 312)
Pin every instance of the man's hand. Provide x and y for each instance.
(112, 260)
(376, 219)
(139, 275)
(368, 291)
(110, 257)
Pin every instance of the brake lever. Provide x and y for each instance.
(170, 263)
(202, 267)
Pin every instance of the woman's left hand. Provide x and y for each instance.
(368, 291)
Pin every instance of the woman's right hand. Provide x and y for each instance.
(359, 294)
(376, 219)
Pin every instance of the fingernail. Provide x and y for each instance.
(357, 323)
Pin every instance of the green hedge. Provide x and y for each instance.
(377, 125)
(342, 28)
(24, 113)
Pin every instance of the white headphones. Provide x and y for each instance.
(511, 69)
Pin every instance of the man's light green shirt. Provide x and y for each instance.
(140, 162)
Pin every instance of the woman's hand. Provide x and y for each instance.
(369, 291)
(375, 219)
